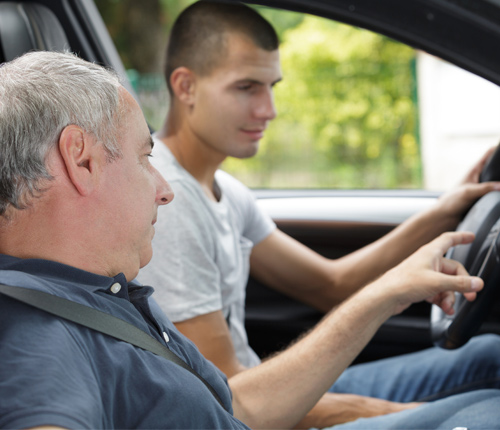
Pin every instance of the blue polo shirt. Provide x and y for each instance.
(54, 372)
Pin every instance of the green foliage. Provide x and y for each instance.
(281, 20)
(347, 117)
(171, 9)
(140, 29)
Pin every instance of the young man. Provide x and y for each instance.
(78, 204)
(222, 64)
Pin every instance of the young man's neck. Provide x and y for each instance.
(195, 158)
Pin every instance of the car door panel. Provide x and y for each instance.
(335, 224)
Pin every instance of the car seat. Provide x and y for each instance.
(28, 26)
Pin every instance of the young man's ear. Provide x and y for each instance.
(182, 81)
(77, 149)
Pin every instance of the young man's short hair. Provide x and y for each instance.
(197, 39)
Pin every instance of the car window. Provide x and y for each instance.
(356, 110)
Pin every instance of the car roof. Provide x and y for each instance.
(463, 32)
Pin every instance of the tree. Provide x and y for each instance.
(140, 29)
(347, 115)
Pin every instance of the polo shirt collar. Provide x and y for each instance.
(58, 271)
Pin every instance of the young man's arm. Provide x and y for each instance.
(279, 392)
(288, 266)
(211, 335)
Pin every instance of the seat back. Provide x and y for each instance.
(29, 26)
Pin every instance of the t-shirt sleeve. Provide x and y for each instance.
(182, 270)
(63, 391)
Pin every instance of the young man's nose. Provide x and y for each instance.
(265, 108)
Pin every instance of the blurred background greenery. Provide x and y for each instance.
(347, 106)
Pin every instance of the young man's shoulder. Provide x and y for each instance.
(229, 180)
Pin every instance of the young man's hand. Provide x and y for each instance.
(454, 204)
(335, 408)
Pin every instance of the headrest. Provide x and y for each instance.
(29, 26)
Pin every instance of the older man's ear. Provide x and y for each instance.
(79, 151)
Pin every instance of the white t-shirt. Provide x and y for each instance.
(201, 249)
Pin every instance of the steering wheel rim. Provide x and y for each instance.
(480, 258)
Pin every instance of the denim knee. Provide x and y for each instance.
(485, 346)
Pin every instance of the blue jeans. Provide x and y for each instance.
(474, 410)
(430, 375)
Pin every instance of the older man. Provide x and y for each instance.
(79, 201)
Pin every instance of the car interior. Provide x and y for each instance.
(274, 320)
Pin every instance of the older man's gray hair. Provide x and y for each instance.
(40, 94)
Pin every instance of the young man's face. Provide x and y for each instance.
(132, 189)
(234, 104)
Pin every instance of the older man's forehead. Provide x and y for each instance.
(136, 117)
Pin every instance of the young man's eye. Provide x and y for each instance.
(245, 87)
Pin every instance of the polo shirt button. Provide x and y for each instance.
(165, 336)
(116, 287)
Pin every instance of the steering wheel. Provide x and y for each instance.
(480, 258)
